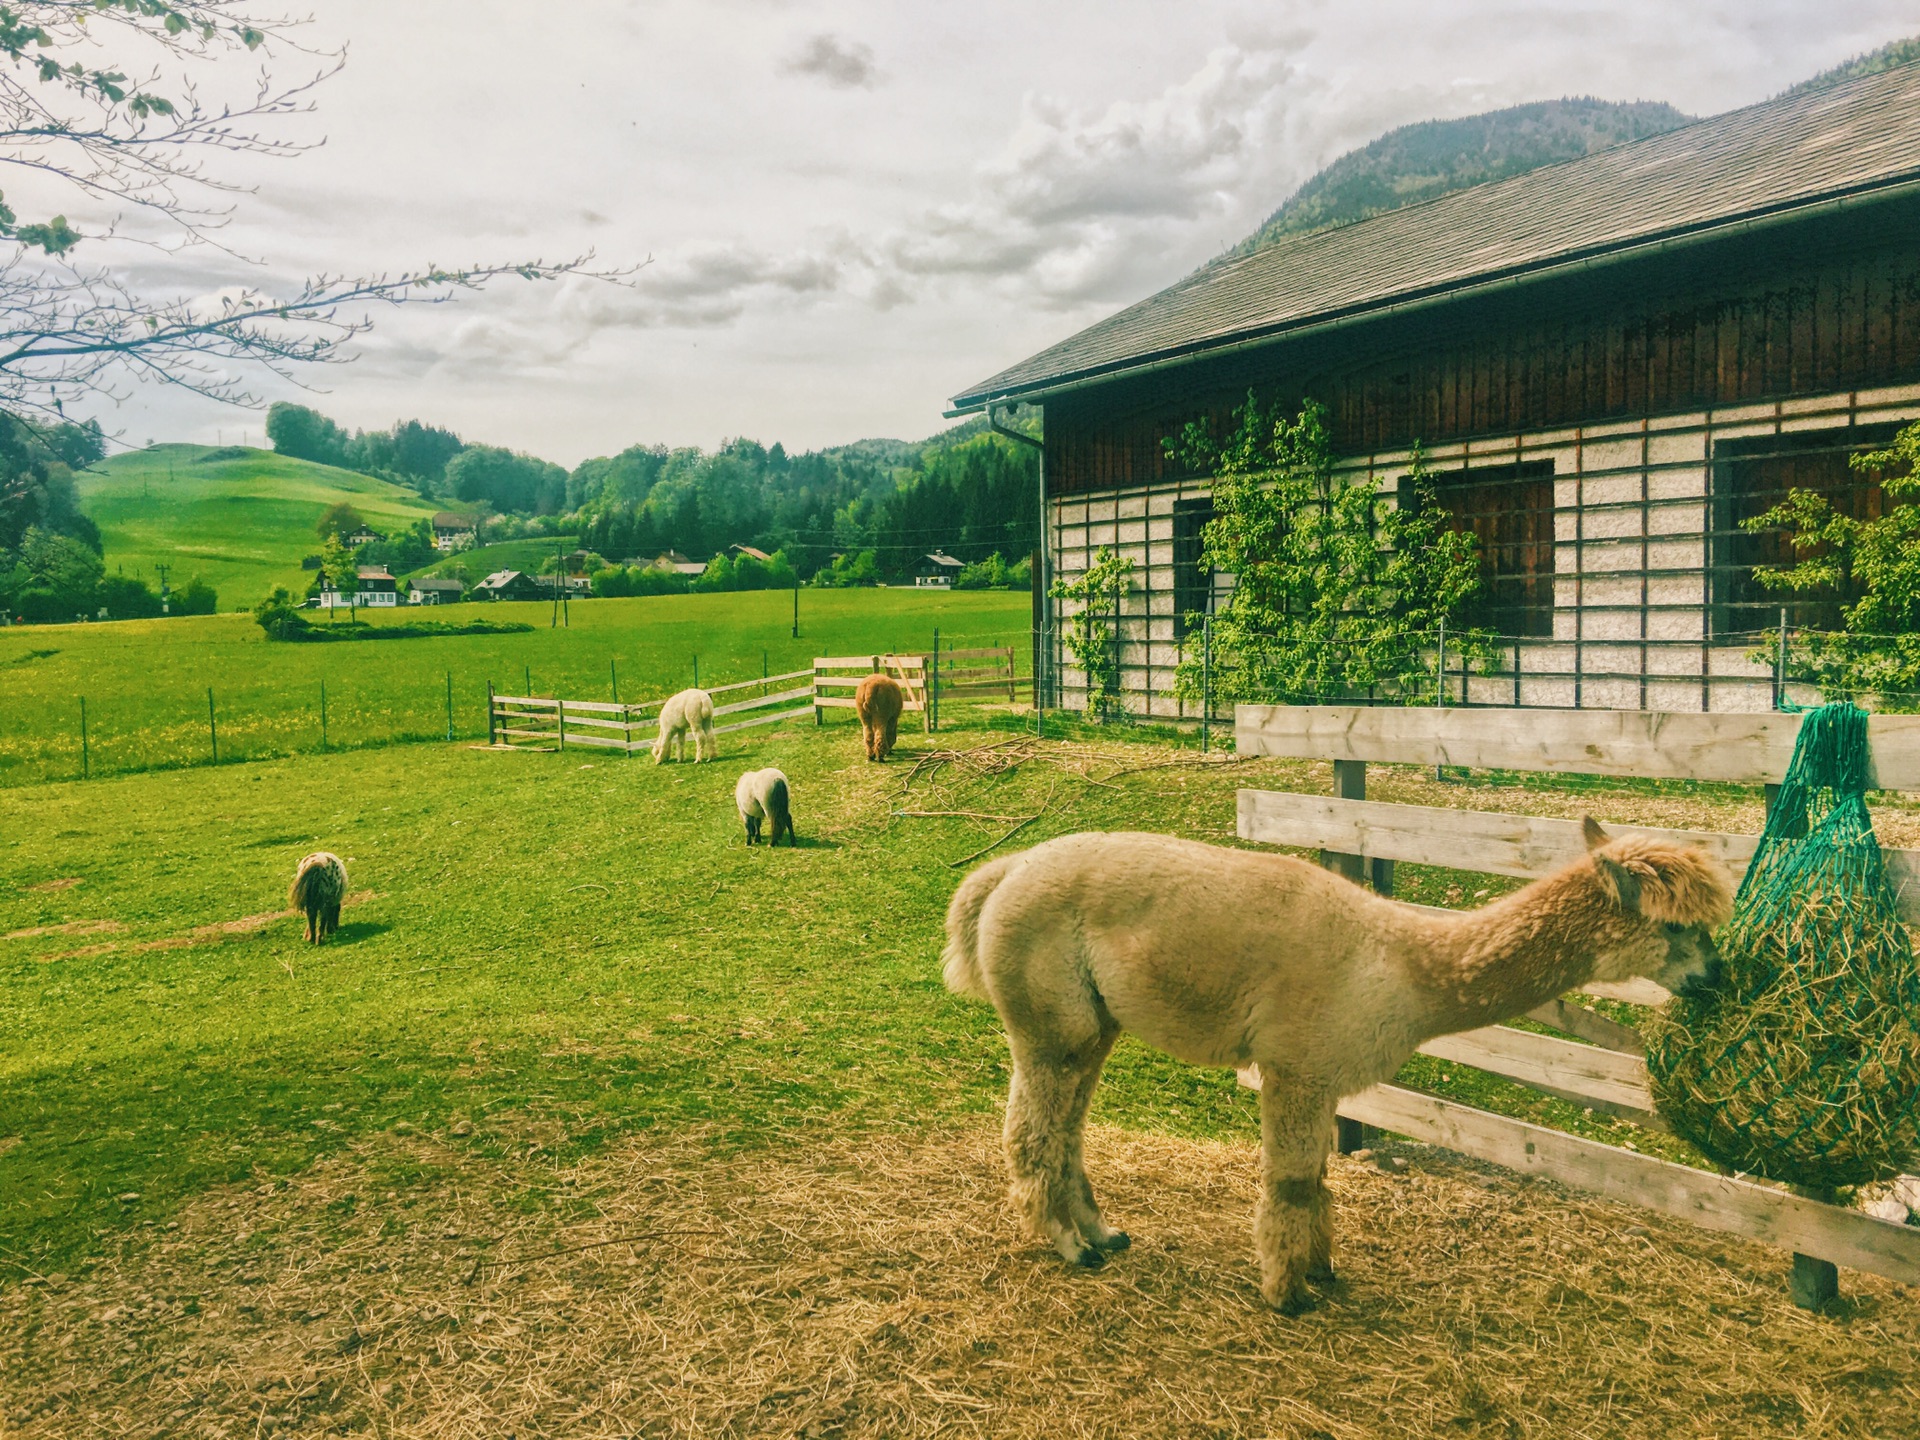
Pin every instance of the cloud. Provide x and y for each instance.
(843, 64)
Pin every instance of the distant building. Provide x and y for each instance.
(310, 562)
(373, 588)
(435, 590)
(572, 584)
(936, 571)
(507, 585)
(679, 564)
(455, 532)
(363, 536)
(750, 551)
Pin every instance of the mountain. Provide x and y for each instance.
(1435, 157)
(1899, 52)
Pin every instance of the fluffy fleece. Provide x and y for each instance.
(319, 885)
(763, 797)
(689, 711)
(1228, 958)
(878, 703)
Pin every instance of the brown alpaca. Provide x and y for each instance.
(319, 885)
(878, 702)
(1230, 957)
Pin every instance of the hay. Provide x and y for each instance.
(1804, 1066)
(874, 1285)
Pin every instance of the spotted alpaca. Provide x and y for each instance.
(319, 885)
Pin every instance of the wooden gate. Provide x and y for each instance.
(1601, 1065)
(836, 677)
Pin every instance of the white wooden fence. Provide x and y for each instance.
(836, 677)
(1362, 840)
(548, 722)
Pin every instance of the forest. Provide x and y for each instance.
(874, 506)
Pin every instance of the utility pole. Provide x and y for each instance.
(165, 593)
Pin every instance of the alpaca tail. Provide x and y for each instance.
(962, 955)
(320, 881)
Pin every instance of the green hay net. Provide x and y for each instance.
(1804, 1065)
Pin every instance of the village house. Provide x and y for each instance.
(1611, 364)
(936, 571)
(373, 588)
(435, 590)
(452, 531)
(507, 585)
(675, 563)
(749, 551)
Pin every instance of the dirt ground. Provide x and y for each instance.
(876, 1286)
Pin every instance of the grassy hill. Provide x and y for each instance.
(527, 555)
(241, 521)
(1435, 157)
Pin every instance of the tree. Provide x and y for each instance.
(197, 597)
(1878, 559)
(305, 434)
(510, 482)
(338, 521)
(1335, 591)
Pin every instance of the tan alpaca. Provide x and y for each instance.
(1230, 957)
(878, 703)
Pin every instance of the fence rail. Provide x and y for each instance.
(836, 677)
(1363, 840)
(550, 722)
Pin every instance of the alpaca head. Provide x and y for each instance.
(1664, 901)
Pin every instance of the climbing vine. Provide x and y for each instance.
(1092, 630)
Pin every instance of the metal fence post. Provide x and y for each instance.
(796, 606)
(613, 670)
(1780, 664)
(213, 730)
(449, 704)
(1440, 669)
(933, 685)
(528, 670)
(323, 714)
(86, 761)
(492, 738)
(696, 672)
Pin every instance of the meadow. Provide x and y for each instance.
(593, 1121)
(146, 682)
(477, 564)
(241, 523)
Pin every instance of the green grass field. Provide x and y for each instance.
(241, 524)
(145, 682)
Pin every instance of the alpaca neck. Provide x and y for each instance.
(1492, 964)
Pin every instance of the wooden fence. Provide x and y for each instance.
(836, 677)
(1362, 840)
(547, 722)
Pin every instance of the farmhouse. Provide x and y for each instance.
(435, 590)
(936, 571)
(1611, 363)
(751, 552)
(363, 536)
(675, 563)
(453, 531)
(507, 585)
(373, 587)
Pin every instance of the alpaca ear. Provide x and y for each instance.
(1623, 882)
(1592, 833)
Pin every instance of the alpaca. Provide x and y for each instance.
(878, 703)
(762, 795)
(1230, 957)
(319, 885)
(690, 710)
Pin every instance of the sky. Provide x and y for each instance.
(838, 215)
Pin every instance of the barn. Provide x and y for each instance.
(1610, 362)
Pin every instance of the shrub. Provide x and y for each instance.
(279, 617)
(197, 597)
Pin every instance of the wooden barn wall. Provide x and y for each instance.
(1812, 309)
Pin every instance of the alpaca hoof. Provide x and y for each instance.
(1117, 1240)
(1289, 1298)
(1322, 1275)
(1297, 1302)
(1087, 1257)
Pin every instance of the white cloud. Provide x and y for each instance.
(843, 64)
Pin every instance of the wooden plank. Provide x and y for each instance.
(542, 702)
(846, 662)
(749, 684)
(573, 720)
(1742, 749)
(763, 720)
(832, 702)
(574, 737)
(761, 700)
(599, 706)
(1589, 1025)
(531, 734)
(1715, 1202)
(1565, 1067)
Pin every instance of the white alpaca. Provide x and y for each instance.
(1230, 957)
(690, 710)
(763, 797)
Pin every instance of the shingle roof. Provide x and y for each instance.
(1854, 138)
(437, 582)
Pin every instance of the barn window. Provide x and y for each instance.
(1192, 577)
(1753, 474)
(1509, 509)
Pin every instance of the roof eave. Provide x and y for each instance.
(1039, 391)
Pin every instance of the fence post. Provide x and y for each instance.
(613, 670)
(323, 713)
(560, 712)
(528, 670)
(1516, 674)
(86, 760)
(796, 605)
(1206, 682)
(933, 685)
(1780, 663)
(491, 737)
(449, 704)
(763, 665)
(1440, 669)
(213, 730)
(696, 672)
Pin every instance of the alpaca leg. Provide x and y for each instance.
(1086, 1210)
(703, 744)
(1292, 1226)
(313, 919)
(889, 735)
(1039, 1153)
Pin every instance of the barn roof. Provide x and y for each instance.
(1847, 142)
